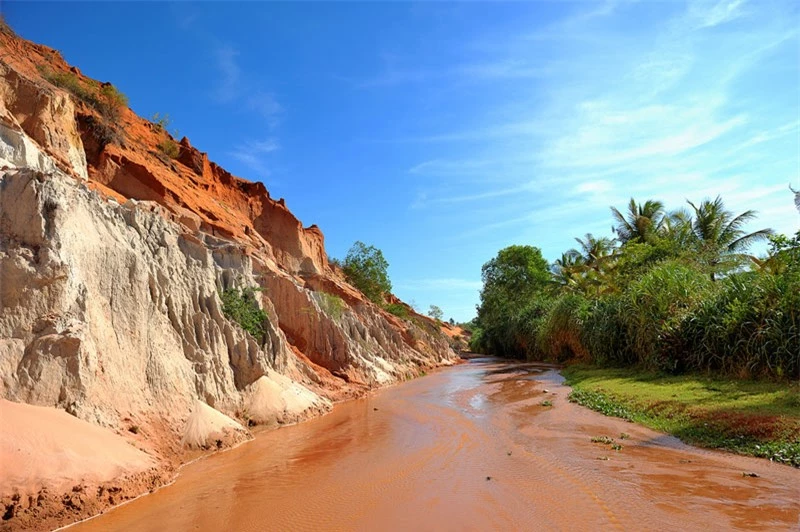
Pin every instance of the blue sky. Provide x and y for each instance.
(442, 132)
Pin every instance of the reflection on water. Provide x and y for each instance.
(466, 448)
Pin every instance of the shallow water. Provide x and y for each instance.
(467, 448)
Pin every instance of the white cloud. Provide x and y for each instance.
(252, 154)
(228, 85)
(266, 104)
(720, 12)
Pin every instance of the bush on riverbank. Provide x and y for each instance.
(673, 293)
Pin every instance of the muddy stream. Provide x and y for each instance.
(467, 448)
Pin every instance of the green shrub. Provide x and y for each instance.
(398, 309)
(242, 307)
(169, 148)
(436, 313)
(751, 327)
(476, 340)
(113, 101)
(656, 306)
(161, 122)
(332, 305)
(561, 334)
(105, 98)
(605, 332)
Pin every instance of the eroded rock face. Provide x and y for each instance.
(48, 119)
(112, 261)
(109, 308)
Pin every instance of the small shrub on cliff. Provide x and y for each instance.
(97, 134)
(332, 305)
(436, 313)
(169, 148)
(105, 97)
(161, 122)
(5, 28)
(366, 269)
(242, 307)
(112, 101)
(398, 309)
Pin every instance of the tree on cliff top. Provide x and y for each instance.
(436, 313)
(366, 269)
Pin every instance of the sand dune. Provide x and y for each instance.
(42, 446)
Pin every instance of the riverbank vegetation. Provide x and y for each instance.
(670, 323)
(758, 418)
(671, 292)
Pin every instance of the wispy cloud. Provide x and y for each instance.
(632, 113)
(394, 72)
(234, 86)
(714, 13)
(253, 155)
(266, 104)
(229, 82)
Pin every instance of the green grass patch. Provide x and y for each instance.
(756, 418)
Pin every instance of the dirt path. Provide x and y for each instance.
(468, 448)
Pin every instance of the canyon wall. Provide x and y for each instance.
(114, 258)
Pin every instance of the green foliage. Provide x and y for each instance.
(436, 313)
(679, 294)
(241, 306)
(641, 221)
(398, 309)
(655, 307)
(161, 122)
(513, 301)
(720, 239)
(104, 97)
(367, 270)
(749, 417)
(169, 148)
(112, 101)
(331, 304)
(750, 328)
(476, 341)
(604, 332)
(559, 337)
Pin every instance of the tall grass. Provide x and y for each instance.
(673, 319)
(654, 309)
(751, 327)
(560, 334)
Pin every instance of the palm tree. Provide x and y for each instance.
(640, 222)
(677, 227)
(585, 270)
(568, 268)
(719, 234)
(594, 251)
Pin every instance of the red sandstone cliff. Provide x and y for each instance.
(113, 256)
